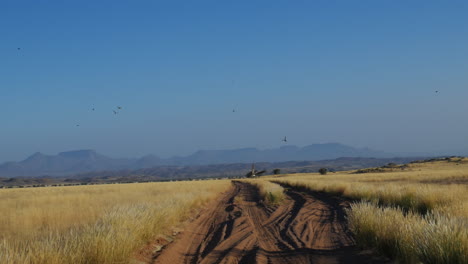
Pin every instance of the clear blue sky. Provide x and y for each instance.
(362, 73)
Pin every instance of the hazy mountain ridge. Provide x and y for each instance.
(63, 163)
(82, 161)
(172, 172)
(284, 153)
(239, 169)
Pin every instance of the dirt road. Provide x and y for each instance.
(306, 228)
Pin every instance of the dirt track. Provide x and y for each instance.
(307, 228)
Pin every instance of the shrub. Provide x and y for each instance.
(323, 171)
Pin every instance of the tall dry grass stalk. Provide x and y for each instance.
(94, 224)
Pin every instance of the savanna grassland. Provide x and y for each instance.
(414, 213)
(95, 224)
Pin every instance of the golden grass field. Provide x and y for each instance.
(95, 223)
(419, 214)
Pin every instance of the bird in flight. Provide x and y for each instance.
(115, 112)
(119, 107)
(92, 109)
(436, 91)
(233, 110)
(19, 48)
(77, 125)
(284, 139)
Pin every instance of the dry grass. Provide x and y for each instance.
(418, 214)
(271, 193)
(94, 224)
(418, 188)
(412, 238)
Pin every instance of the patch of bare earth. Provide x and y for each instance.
(306, 228)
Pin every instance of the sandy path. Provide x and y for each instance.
(306, 228)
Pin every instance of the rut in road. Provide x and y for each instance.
(306, 228)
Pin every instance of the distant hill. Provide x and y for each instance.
(62, 164)
(167, 173)
(285, 153)
(233, 169)
(81, 161)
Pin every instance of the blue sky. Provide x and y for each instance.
(362, 73)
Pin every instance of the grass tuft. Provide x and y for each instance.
(271, 193)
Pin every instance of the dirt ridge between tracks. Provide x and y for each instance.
(239, 228)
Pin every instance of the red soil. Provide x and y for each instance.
(306, 228)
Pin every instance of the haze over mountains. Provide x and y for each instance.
(80, 161)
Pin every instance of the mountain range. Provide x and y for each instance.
(81, 161)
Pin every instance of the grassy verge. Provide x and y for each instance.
(420, 198)
(271, 193)
(409, 237)
(94, 224)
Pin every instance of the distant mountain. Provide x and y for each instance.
(167, 173)
(284, 153)
(148, 161)
(81, 161)
(63, 163)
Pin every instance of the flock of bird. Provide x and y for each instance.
(116, 111)
(118, 108)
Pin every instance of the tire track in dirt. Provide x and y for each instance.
(306, 228)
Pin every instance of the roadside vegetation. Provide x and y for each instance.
(271, 193)
(94, 224)
(419, 214)
(410, 237)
